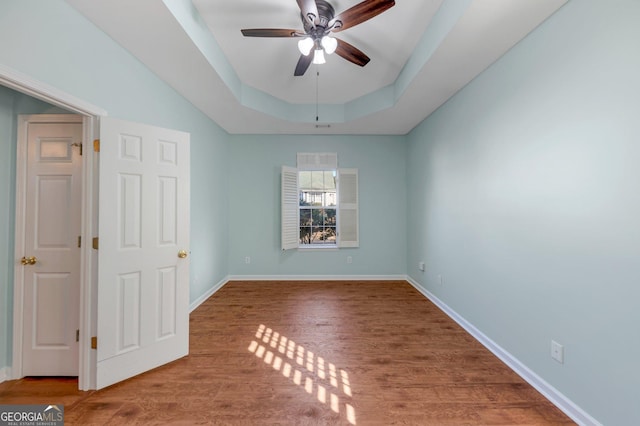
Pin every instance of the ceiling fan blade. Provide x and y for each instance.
(309, 10)
(359, 13)
(303, 64)
(272, 32)
(351, 53)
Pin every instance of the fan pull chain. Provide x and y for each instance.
(317, 78)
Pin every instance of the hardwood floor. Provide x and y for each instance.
(312, 353)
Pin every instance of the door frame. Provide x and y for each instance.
(89, 227)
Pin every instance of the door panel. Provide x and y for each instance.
(53, 207)
(143, 286)
(51, 295)
(52, 283)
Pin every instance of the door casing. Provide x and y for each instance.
(89, 259)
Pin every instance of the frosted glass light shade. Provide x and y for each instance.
(330, 44)
(318, 57)
(305, 45)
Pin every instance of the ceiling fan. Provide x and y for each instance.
(318, 21)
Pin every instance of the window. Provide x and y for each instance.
(319, 204)
(317, 207)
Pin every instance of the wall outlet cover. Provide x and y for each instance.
(557, 351)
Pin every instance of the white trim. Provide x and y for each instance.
(572, 410)
(200, 300)
(29, 86)
(317, 277)
(5, 374)
(24, 120)
(39, 90)
(88, 257)
(18, 245)
(317, 247)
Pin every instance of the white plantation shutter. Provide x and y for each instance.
(317, 161)
(348, 230)
(290, 216)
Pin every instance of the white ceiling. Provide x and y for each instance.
(267, 64)
(422, 52)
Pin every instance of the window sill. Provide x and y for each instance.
(318, 248)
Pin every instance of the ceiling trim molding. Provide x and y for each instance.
(186, 15)
(459, 40)
(448, 15)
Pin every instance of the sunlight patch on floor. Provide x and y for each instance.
(312, 372)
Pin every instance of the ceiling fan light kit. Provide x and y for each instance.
(318, 57)
(305, 45)
(329, 44)
(319, 20)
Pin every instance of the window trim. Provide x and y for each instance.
(347, 211)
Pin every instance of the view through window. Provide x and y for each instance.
(318, 206)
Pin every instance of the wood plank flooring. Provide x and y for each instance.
(312, 353)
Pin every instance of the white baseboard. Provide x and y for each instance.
(5, 374)
(572, 410)
(200, 300)
(317, 277)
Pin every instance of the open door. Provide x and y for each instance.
(143, 278)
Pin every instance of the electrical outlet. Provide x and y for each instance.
(440, 280)
(557, 351)
(349, 259)
(247, 260)
(421, 266)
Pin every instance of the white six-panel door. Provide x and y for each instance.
(51, 258)
(143, 285)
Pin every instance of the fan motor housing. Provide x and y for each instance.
(326, 12)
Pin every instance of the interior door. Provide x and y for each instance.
(51, 260)
(143, 278)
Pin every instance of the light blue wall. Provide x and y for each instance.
(254, 205)
(51, 42)
(525, 197)
(522, 191)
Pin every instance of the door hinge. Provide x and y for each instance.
(96, 145)
(77, 335)
(79, 145)
(79, 241)
(94, 243)
(94, 342)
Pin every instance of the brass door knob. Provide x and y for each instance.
(28, 260)
(182, 254)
